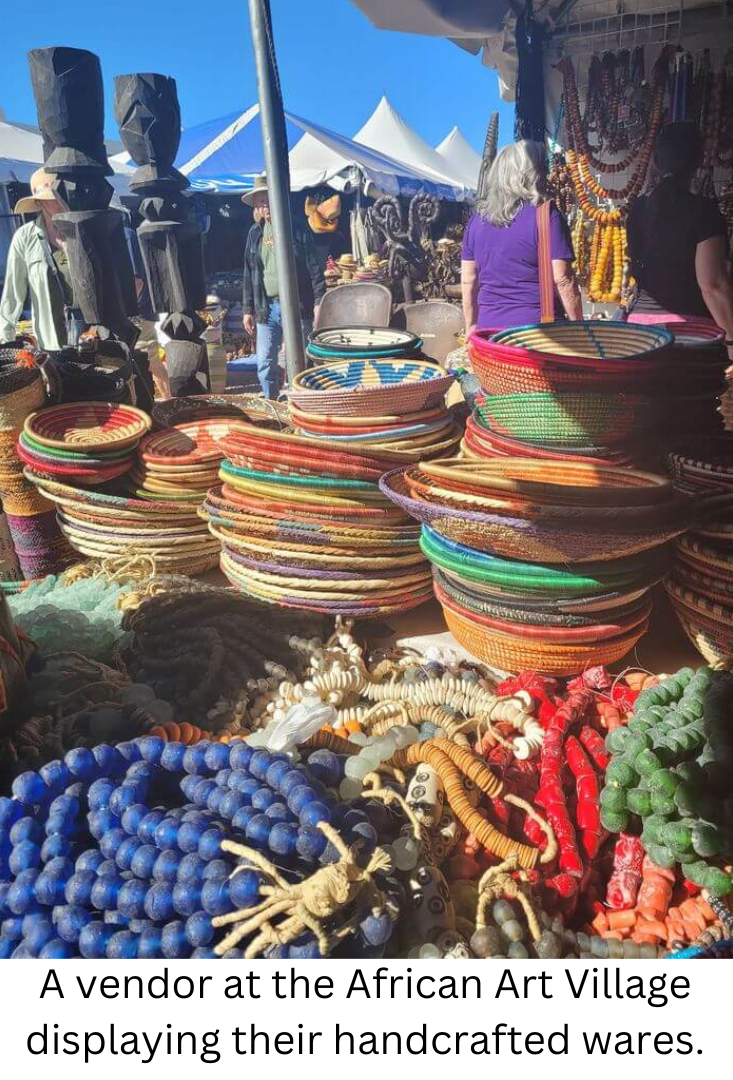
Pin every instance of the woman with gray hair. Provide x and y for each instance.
(500, 271)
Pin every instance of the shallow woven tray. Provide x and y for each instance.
(365, 341)
(95, 425)
(185, 444)
(370, 387)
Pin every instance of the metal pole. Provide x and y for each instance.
(274, 137)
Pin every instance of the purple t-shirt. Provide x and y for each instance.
(507, 264)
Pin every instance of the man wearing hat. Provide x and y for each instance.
(37, 265)
(262, 291)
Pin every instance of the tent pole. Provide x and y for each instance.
(278, 180)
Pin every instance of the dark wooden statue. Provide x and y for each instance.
(407, 246)
(67, 84)
(149, 119)
(487, 159)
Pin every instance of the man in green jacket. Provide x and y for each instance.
(37, 266)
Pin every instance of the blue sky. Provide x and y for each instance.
(334, 64)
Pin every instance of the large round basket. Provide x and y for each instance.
(362, 343)
(93, 425)
(251, 407)
(370, 387)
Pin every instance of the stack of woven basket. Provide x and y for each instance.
(701, 583)
(540, 564)
(180, 463)
(38, 544)
(84, 444)
(599, 391)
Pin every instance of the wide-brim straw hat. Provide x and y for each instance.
(260, 185)
(41, 191)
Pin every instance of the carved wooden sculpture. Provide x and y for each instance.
(487, 159)
(406, 246)
(149, 119)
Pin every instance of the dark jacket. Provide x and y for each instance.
(311, 282)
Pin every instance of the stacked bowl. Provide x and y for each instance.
(302, 524)
(542, 564)
(39, 547)
(180, 462)
(701, 583)
(84, 444)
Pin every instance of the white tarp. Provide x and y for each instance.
(21, 153)
(387, 132)
(460, 156)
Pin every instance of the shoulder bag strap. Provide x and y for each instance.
(547, 285)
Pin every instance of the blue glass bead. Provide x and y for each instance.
(79, 887)
(105, 892)
(25, 856)
(172, 757)
(22, 952)
(132, 817)
(107, 867)
(100, 793)
(174, 943)
(109, 759)
(244, 889)
(50, 888)
(37, 934)
(111, 841)
(116, 919)
(258, 830)
(366, 834)
(70, 920)
(354, 817)
(215, 897)
(188, 786)
(10, 811)
(223, 777)
(159, 901)
(76, 791)
(292, 780)
(131, 901)
(56, 846)
(194, 760)
(91, 859)
(231, 802)
(186, 897)
(123, 946)
(326, 767)
(216, 798)
(151, 748)
(314, 813)
(240, 754)
(93, 940)
(138, 925)
(217, 869)
(199, 931)
(55, 775)
(81, 763)
(7, 945)
(166, 865)
(311, 843)
(102, 822)
(202, 790)
(278, 811)
(195, 813)
(65, 809)
(300, 798)
(61, 868)
(4, 889)
(56, 949)
(376, 929)
(217, 756)
(126, 852)
(190, 834)
(143, 861)
(166, 834)
(139, 771)
(191, 869)
(12, 928)
(149, 944)
(305, 949)
(129, 750)
(379, 817)
(210, 843)
(60, 825)
(233, 954)
(283, 838)
(125, 796)
(263, 798)
(259, 763)
(202, 953)
(148, 825)
(276, 772)
(29, 788)
(245, 784)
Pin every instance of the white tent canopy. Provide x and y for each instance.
(21, 153)
(389, 133)
(460, 156)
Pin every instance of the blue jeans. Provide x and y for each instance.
(269, 342)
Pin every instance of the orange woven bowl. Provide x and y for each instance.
(95, 425)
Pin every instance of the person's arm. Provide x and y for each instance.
(14, 290)
(248, 295)
(567, 288)
(469, 294)
(715, 285)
